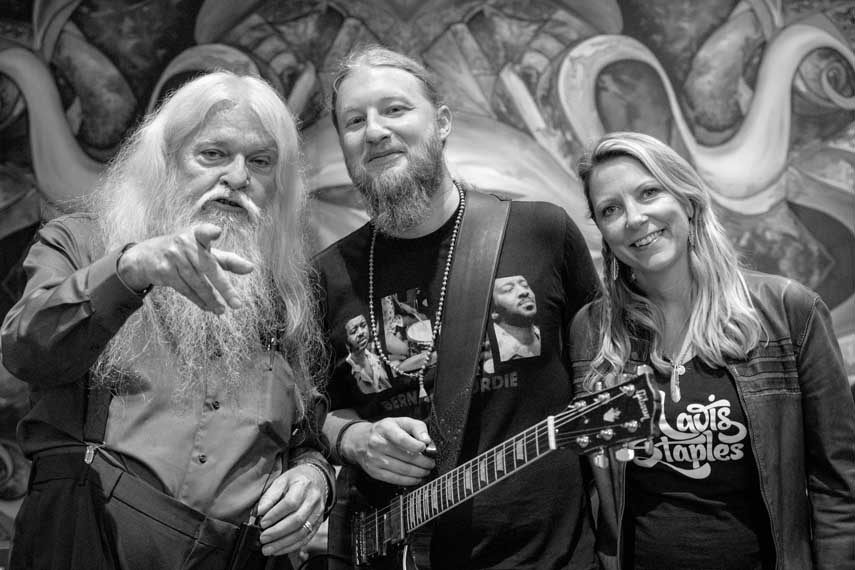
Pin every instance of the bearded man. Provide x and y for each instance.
(514, 312)
(424, 245)
(169, 345)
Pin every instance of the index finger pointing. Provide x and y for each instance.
(220, 281)
(206, 233)
(232, 262)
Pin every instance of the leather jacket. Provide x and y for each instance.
(801, 424)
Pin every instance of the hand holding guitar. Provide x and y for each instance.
(390, 450)
(622, 417)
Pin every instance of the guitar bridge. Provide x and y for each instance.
(358, 539)
(376, 534)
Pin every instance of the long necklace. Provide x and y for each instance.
(678, 365)
(420, 375)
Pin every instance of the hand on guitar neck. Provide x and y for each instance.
(395, 533)
(394, 450)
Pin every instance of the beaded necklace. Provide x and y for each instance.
(420, 375)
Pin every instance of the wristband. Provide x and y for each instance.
(340, 437)
(142, 293)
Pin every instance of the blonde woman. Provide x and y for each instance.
(754, 465)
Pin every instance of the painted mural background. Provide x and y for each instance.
(758, 94)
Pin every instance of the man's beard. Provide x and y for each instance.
(400, 199)
(204, 346)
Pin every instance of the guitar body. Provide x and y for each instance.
(392, 529)
(416, 554)
(411, 554)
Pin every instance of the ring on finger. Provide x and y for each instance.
(308, 526)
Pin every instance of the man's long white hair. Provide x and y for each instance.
(134, 198)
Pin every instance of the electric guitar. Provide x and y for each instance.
(392, 536)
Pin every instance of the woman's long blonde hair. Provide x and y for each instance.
(724, 323)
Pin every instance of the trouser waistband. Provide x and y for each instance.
(116, 483)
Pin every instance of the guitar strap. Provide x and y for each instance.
(470, 291)
(98, 400)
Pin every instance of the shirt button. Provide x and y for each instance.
(215, 404)
(203, 458)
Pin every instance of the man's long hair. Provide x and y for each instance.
(724, 322)
(134, 198)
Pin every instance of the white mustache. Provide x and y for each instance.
(239, 198)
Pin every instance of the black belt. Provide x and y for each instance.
(116, 483)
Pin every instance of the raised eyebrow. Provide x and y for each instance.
(204, 144)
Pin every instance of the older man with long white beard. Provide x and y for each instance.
(169, 342)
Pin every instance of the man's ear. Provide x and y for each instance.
(443, 121)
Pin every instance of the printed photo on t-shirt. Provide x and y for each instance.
(407, 331)
(365, 365)
(513, 334)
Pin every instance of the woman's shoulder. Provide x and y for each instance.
(584, 328)
(589, 313)
(766, 288)
(785, 305)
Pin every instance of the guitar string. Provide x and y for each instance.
(459, 475)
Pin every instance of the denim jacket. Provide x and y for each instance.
(801, 423)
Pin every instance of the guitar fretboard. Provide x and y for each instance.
(408, 512)
(622, 415)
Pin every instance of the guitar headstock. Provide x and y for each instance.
(625, 415)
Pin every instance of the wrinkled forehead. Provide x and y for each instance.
(239, 117)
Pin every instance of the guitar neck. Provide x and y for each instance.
(622, 415)
(412, 510)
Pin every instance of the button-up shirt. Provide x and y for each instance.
(213, 450)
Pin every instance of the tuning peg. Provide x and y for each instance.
(625, 454)
(644, 369)
(600, 460)
(606, 434)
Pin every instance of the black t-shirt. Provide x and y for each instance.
(695, 502)
(535, 518)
